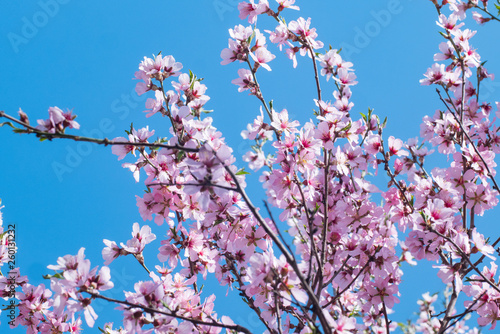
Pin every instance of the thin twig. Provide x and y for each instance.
(104, 141)
(449, 309)
(387, 324)
(490, 175)
(481, 258)
(464, 313)
(202, 184)
(289, 257)
(266, 205)
(466, 257)
(237, 328)
(313, 57)
(485, 10)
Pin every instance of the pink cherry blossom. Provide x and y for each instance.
(251, 10)
(245, 81)
(286, 4)
(262, 56)
(346, 204)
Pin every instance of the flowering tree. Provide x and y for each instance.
(336, 268)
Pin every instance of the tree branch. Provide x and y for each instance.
(237, 328)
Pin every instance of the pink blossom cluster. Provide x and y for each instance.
(428, 323)
(340, 267)
(169, 294)
(58, 309)
(141, 236)
(447, 202)
(165, 294)
(213, 229)
(188, 88)
(57, 122)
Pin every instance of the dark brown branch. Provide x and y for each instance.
(105, 141)
(468, 310)
(466, 257)
(289, 257)
(485, 10)
(201, 184)
(237, 328)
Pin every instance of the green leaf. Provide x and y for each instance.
(131, 128)
(422, 214)
(56, 275)
(347, 127)
(181, 155)
(9, 124)
(249, 39)
(384, 123)
(316, 209)
(271, 103)
(242, 172)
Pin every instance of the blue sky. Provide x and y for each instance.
(83, 55)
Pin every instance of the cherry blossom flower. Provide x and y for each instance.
(245, 81)
(58, 121)
(395, 147)
(434, 75)
(481, 245)
(345, 77)
(262, 56)
(301, 28)
(281, 123)
(286, 4)
(111, 251)
(479, 18)
(141, 236)
(280, 36)
(251, 10)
